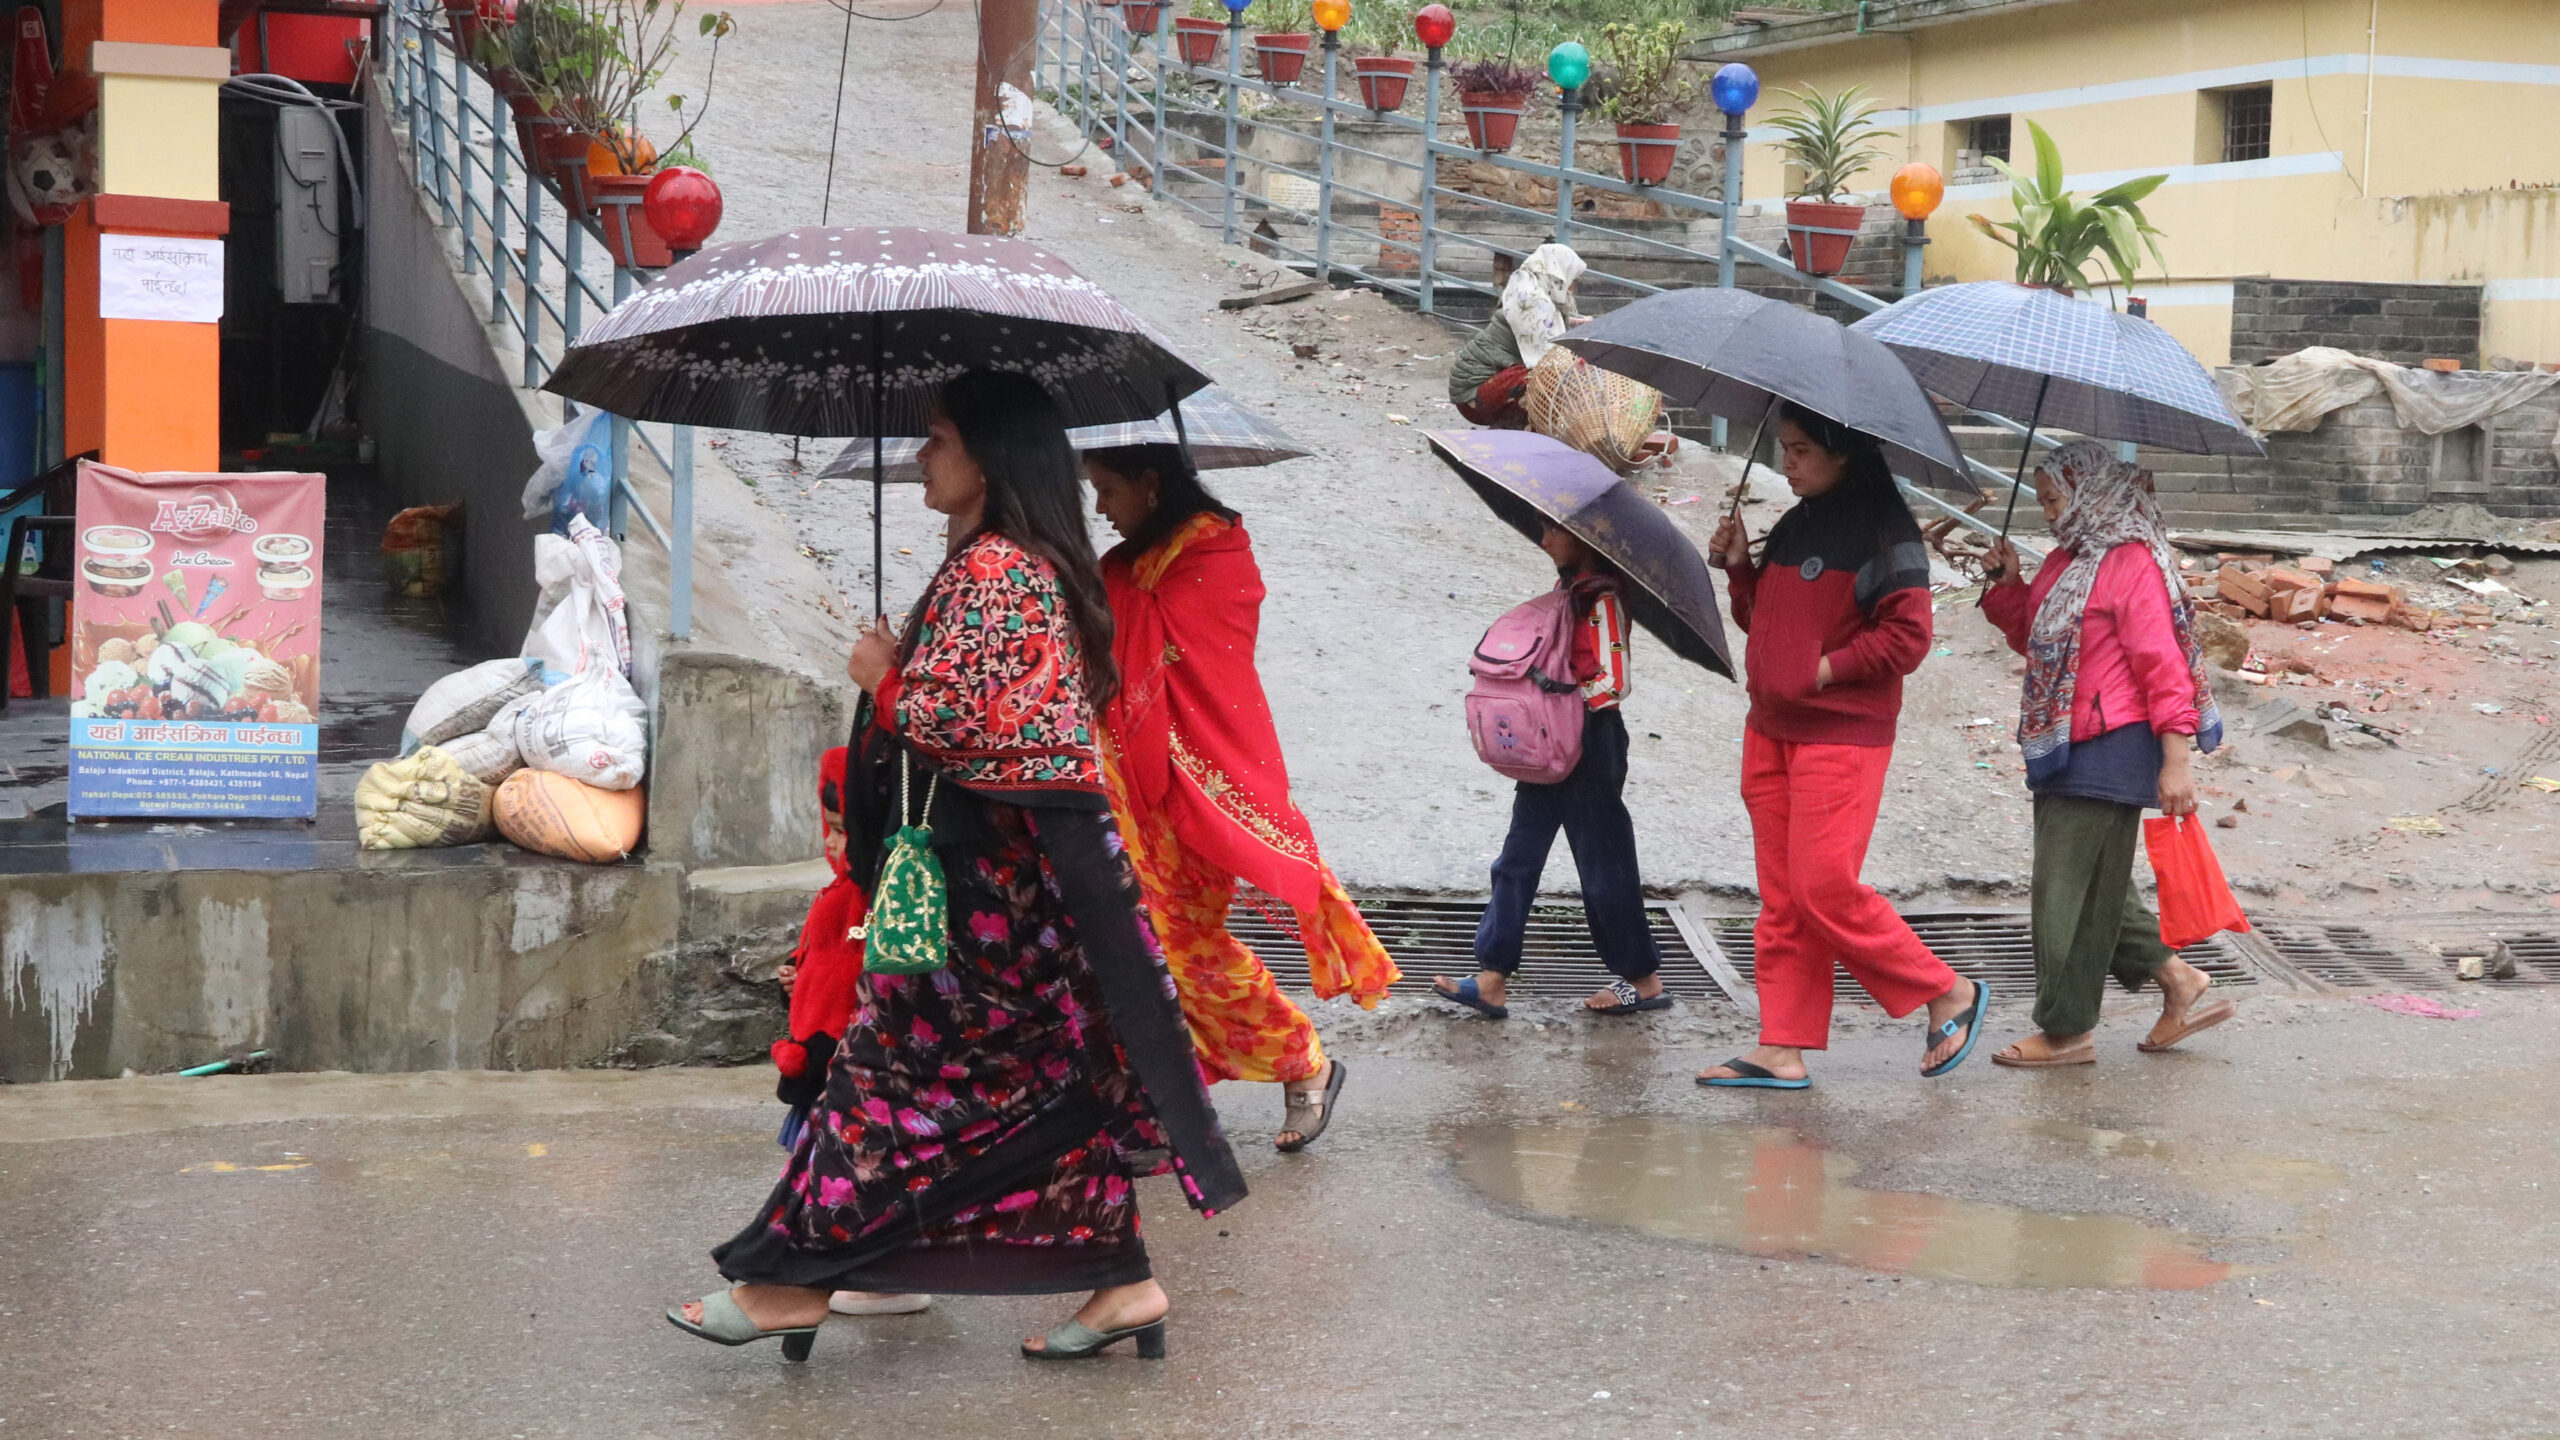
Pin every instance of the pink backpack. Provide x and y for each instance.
(1525, 711)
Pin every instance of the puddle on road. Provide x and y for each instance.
(1772, 1192)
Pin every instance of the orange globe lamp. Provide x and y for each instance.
(1918, 190)
(604, 159)
(1332, 15)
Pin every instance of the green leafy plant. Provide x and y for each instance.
(1376, 28)
(1284, 17)
(2056, 236)
(1643, 83)
(595, 61)
(1206, 10)
(1830, 139)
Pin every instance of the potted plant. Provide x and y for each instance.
(620, 52)
(1645, 89)
(1196, 34)
(1830, 140)
(553, 46)
(1143, 17)
(1280, 51)
(1493, 95)
(1384, 76)
(2056, 236)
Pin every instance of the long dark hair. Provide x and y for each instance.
(1179, 493)
(1868, 479)
(1012, 427)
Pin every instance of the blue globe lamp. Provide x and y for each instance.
(1736, 87)
(1569, 65)
(1236, 7)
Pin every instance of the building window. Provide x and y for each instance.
(2248, 122)
(1988, 135)
(1973, 144)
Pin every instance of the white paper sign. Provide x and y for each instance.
(159, 277)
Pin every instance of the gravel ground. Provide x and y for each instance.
(1383, 569)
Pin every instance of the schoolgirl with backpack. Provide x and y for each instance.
(1549, 676)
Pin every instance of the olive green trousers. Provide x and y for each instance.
(2089, 920)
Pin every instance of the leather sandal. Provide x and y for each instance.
(723, 1323)
(2084, 1053)
(1072, 1339)
(2200, 1015)
(1310, 1111)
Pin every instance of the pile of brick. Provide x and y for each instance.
(2307, 590)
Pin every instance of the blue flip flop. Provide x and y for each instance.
(1748, 1076)
(1970, 1022)
(1469, 995)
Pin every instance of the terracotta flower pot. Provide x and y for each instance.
(628, 235)
(562, 154)
(1383, 79)
(1142, 16)
(1493, 116)
(1645, 152)
(1817, 253)
(1283, 58)
(1197, 39)
(464, 17)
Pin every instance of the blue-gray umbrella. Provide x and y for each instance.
(1530, 480)
(1224, 435)
(1737, 355)
(2055, 362)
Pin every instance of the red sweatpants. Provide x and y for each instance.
(1813, 809)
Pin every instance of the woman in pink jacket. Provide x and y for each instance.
(2116, 704)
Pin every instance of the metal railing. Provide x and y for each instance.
(1087, 56)
(539, 256)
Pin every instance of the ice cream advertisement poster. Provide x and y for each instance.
(195, 645)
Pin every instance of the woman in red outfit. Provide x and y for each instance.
(1838, 613)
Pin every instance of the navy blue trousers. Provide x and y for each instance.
(1589, 806)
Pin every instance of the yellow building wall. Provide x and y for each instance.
(161, 136)
(2464, 103)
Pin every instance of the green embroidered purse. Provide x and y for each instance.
(908, 931)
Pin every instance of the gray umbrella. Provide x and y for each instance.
(1737, 355)
(1224, 435)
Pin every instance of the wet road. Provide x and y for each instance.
(2329, 1220)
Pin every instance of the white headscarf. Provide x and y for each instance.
(1537, 301)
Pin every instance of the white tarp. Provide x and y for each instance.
(2296, 390)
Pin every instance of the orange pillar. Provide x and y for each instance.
(145, 394)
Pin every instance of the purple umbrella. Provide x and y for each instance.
(1532, 481)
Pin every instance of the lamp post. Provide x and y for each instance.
(1735, 87)
(1432, 25)
(1235, 74)
(683, 205)
(1331, 16)
(1569, 65)
(1917, 191)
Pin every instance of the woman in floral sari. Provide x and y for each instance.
(981, 1124)
(1200, 789)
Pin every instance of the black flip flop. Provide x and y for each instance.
(1324, 1110)
(1469, 995)
(1748, 1076)
(1630, 1002)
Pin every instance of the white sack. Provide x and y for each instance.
(590, 727)
(578, 622)
(467, 700)
(555, 446)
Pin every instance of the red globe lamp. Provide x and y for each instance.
(1433, 25)
(1918, 190)
(683, 205)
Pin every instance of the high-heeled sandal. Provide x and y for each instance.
(723, 1323)
(1072, 1339)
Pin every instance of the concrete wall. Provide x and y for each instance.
(448, 422)
(2404, 324)
(2359, 466)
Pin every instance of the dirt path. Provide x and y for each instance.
(1383, 569)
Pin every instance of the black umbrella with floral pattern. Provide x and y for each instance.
(854, 332)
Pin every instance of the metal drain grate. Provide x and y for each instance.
(1437, 937)
(2432, 948)
(1981, 945)
(2352, 957)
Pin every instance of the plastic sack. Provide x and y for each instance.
(576, 474)
(468, 700)
(578, 622)
(555, 815)
(590, 727)
(421, 800)
(1599, 412)
(421, 549)
(2195, 902)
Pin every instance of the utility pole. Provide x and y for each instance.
(999, 170)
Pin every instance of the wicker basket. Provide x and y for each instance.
(1599, 412)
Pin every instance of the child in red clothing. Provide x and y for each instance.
(1838, 613)
(824, 966)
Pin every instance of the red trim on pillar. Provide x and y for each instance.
(159, 215)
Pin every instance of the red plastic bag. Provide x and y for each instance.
(2195, 902)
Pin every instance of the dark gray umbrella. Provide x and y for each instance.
(1530, 480)
(1737, 355)
(1222, 433)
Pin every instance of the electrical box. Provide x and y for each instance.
(307, 206)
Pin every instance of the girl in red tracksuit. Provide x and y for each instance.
(1838, 612)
